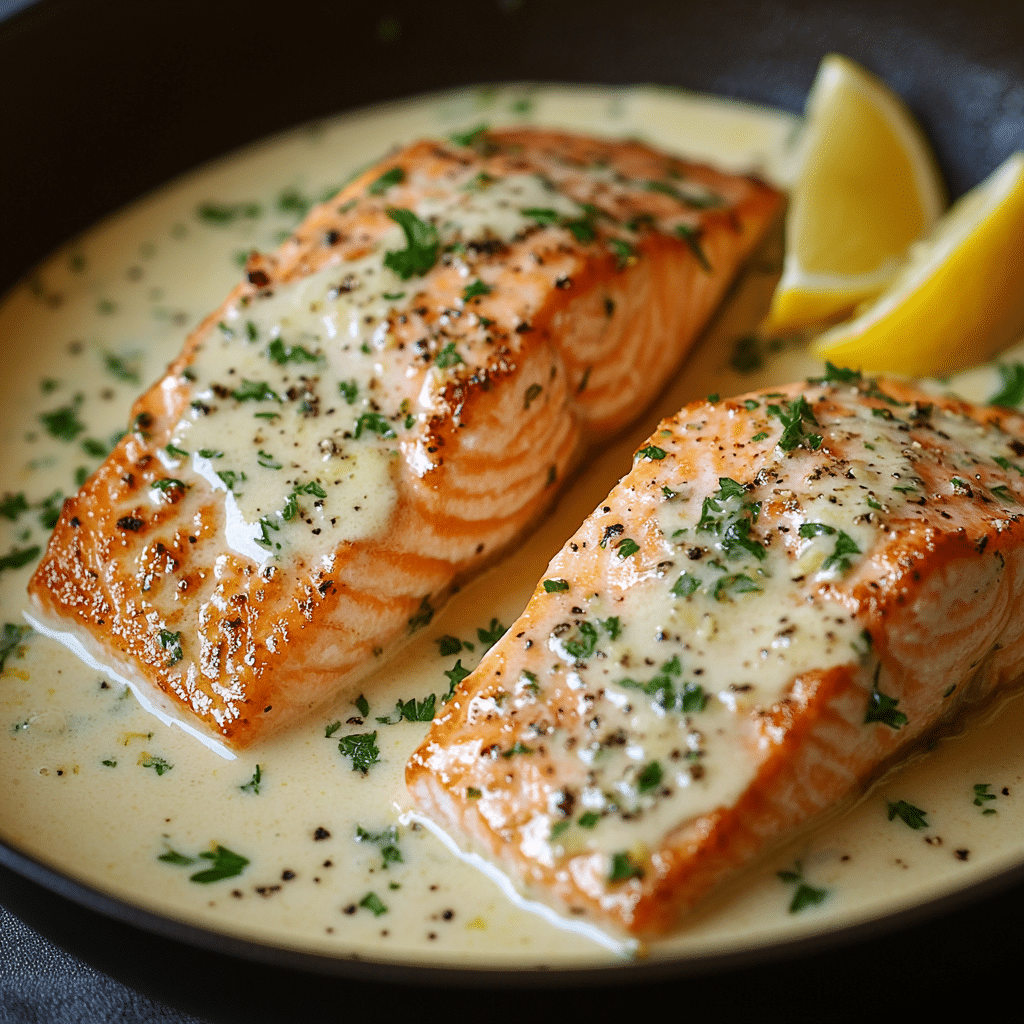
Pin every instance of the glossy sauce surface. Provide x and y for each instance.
(98, 788)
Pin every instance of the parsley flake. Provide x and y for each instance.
(448, 357)
(910, 815)
(652, 451)
(17, 557)
(624, 867)
(1011, 394)
(226, 864)
(253, 785)
(420, 253)
(792, 416)
(361, 748)
(882, 708)
(281, 353)
(476, 289)
(12, 637)
(390, 178)
(556, 586)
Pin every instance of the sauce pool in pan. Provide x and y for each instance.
(291, 844)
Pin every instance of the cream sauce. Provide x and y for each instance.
(100, 789)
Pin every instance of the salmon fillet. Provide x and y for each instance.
(789, 591)
(380, 408)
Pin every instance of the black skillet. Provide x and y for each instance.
(100, 100)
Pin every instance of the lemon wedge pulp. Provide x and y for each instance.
(867, 189)
(959, 298)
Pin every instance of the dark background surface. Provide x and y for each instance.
(101, 101)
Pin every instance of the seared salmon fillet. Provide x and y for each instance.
(381, 407)
(789, 591)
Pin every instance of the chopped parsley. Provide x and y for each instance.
(171, 642)
(626, 547)
(229, 478)
(158, 764)
(255, 391)
(12, 505)
(420, 253)
(652, 451)
(805, 895)
(650, 778)
(792, 415)
(623, 252)
(837, 375)
(1011, 394)
(372, 902)
(448, 357)
(882, 708)
(734, 583)
(540, 214)
(226, 864)
(667, 694)
(447, 645)
(17, 557)
(122, 367)
(413, 710)
(228, 213)
(387, 840)
(49, 510)
(423, 615)
(532, 392)
(455, 676)
(390, 178)
(63, 423)
(173, 857)
(727, 517)
(281, 353)
(982, 796)
(556, 586)
(253, 785)
(291, 201)
(490, 635)
(12, 637)
(845, 545)
(691, 236)
(910, 815)
(361, 748)
(685, 586)
(470, 137)
(624, 867)
(583, 645)
(375, 423)
(476, 289)
(517, 748)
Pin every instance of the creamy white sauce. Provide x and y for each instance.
(93, 784)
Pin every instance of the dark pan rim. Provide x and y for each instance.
(362, 968)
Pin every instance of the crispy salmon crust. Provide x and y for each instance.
(882, 522)
(578, 324)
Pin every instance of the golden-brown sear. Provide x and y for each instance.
(788, 592)
(495, 357)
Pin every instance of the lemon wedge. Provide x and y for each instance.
(867, 188)
(959, 298)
